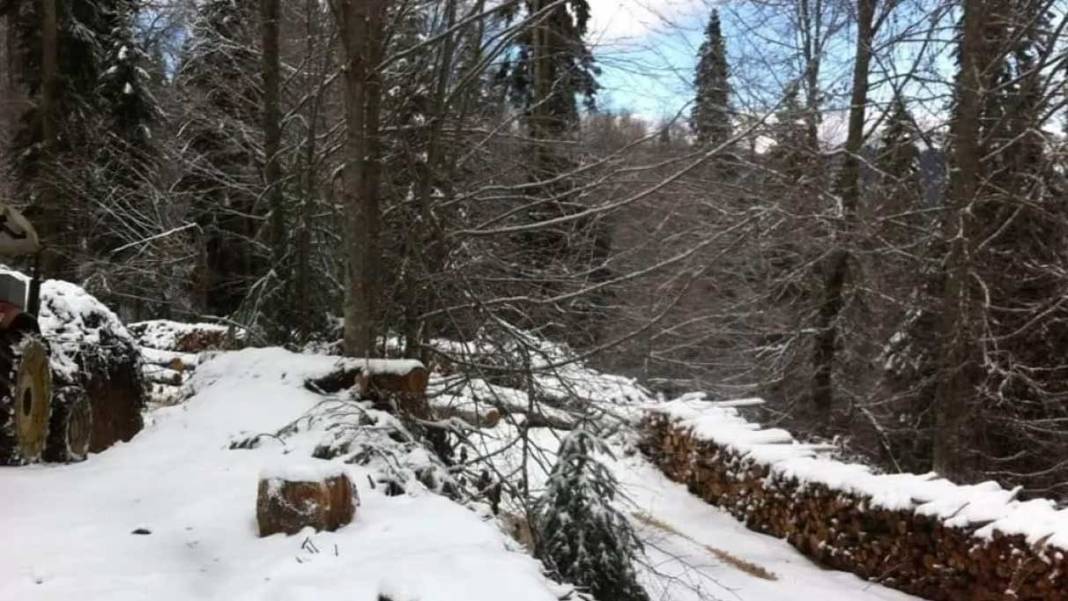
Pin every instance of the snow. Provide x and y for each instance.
(74, 322)
(307, 471)
(985, 504)
(68, 528)
(397, 367)
(681, 565)
(180, 481)
(685, 550)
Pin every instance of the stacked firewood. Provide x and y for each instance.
(171, 352)
(901, 548)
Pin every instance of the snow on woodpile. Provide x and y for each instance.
(167, 335)
(91, 350)
(950, 541)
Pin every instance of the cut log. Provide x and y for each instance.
(484, 417)
(289, 500)
(387, 383)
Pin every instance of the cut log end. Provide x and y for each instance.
(287, 505)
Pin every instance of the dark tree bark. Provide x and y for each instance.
(958, 354)
(272, 146)
(50, 222)
(849, 189)
(360, 23)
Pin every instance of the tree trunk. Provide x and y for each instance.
(357, 21)
(272, 174)
(849, 190)
(50, 222)
(11, 41)
(957, 362)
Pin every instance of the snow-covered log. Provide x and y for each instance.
(917, 533)
(94, 357)
(389, 383)
(292, 498)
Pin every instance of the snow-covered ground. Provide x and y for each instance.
(67, 530)
(698, 549)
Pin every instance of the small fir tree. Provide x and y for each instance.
(579, 535)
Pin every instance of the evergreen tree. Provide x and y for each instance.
(1000, 378)
(553, 67)
(711, 118)
(792, 155)
(898, 153)
(101, 155)
(578, 534)
(220, 88)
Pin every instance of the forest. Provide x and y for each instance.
(853, 209)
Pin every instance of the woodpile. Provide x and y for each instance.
(186, 337)
(290, 500)
(925, 555)
(171, 352)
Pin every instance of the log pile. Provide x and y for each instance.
(171, 352)
(290, 500)
(938, 547)
(186, 337)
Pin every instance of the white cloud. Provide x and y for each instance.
(629, 21)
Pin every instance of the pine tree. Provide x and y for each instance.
(898, 155)
(792, 154)
(579, 534)
(220, 88)
(101, 155)
(1002, 315)
(711, 117)
(553, 67)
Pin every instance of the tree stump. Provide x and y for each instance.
(292, 498)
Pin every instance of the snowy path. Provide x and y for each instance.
(681, 527)
(66, 531)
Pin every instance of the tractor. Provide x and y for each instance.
(34, 423)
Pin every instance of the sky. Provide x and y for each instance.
(646, 50)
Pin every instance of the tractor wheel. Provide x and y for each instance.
(71, 426)
(25, 397)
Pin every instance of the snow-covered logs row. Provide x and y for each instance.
(917, 533)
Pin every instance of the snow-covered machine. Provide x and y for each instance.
(31, 424)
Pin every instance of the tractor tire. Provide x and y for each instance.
(25, 396)
(71, 426)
